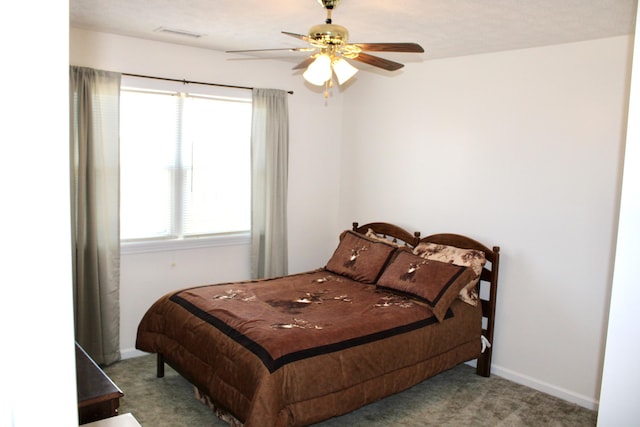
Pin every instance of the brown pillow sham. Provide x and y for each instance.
(437, 283)
(359, 258)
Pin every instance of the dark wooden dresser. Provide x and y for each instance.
(98, 396)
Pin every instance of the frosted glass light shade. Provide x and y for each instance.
(344, 71)
(319, 71)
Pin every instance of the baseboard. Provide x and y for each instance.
(553, 390)
(130, 353)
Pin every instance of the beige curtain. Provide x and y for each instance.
(270, 163)
(94, 143)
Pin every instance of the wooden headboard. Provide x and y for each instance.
(488, 278)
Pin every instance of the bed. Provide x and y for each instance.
(389, 310)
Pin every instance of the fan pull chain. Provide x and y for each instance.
(328, 85)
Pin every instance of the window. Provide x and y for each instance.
(185, 164)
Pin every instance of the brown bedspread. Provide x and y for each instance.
(303, 348)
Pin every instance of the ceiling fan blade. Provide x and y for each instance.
(305, 63)
(378, 62)
(298, 36)
(290, 49)
(391, 47)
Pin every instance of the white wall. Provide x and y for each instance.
(621, 373)
(520, 149)
(37, 360)
(315, 127)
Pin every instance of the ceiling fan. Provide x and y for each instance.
(330, 46)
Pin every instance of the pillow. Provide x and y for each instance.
(462, 257)
(374, 236)
(359, 258)
(437, 283)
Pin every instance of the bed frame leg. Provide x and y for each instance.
(483, 363)
(160, 372)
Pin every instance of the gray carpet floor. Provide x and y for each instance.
(457, 397)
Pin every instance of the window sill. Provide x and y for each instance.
(140, 247)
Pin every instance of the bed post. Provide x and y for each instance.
(483, 366)
(160, 368)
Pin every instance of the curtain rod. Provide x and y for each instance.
(191, 82)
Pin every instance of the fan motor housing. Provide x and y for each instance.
(329, 4)
(329, 34)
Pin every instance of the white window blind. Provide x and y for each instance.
(185, 164)
(216, 171)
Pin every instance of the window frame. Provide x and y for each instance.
(168, 245)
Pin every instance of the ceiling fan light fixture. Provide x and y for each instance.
(332, 52)
(344, 71)
(319, 71)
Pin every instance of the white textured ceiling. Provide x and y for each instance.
(445, 28)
